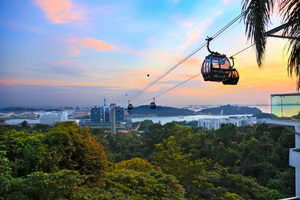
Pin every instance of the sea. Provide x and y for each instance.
(188, 118)
(162, 120)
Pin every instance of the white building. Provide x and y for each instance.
(51, 118)
(213, 124)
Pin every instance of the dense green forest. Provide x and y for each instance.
(164, 162)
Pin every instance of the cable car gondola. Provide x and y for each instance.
(233, 76)
(130, 106)
(216, 67)
(152, 104)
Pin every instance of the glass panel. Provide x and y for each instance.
(225, 63)
(285, 105)
(215, 62)
(219, 62)
(208, 65)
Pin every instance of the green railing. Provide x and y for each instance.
(285, 105)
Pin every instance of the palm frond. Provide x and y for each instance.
(256, 15)
(290, 10)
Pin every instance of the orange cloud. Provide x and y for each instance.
(73, 51)
(64, 61)
(91, 43)
(60, 11)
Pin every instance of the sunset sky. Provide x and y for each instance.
(75, 52)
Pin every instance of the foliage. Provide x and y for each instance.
(169, 156)
(144, 185)
(249, 162)
(135, 164)
(123, 147)
(5, 173)
(145, 125)
(283, 182)
(38, 185)
(156, 134)
(187, 124)
(73, 148)
(65, 146)
(24, 123)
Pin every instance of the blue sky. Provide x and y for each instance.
(74, 52)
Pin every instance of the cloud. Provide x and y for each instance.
(183, 22)
(61, 11)
(73, 51)
(64, 61)
(91, 43)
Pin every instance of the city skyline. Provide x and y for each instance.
(62, 52)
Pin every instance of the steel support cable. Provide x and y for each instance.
(168, 71)
(227, 26)
(206, 20)
(170, 89)
(187, 57)
(242, 50)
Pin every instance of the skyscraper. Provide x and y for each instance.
(96, 114)
(106, 113)
(119, 114)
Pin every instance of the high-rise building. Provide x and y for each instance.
(96, 114)
(106, 113)
(119, 114)
(103, 114)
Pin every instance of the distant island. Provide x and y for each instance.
(160, 111)
(230, 110)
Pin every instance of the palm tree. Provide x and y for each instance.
(256, 15)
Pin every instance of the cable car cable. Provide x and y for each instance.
(242, 50)
(187, 57)
(173, 51)
(171, 88)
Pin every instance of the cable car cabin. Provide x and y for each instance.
(152, 105)
(130, 107)
(215, 67)
(233, 77)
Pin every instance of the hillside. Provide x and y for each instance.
(230, 110)
(160, 111)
